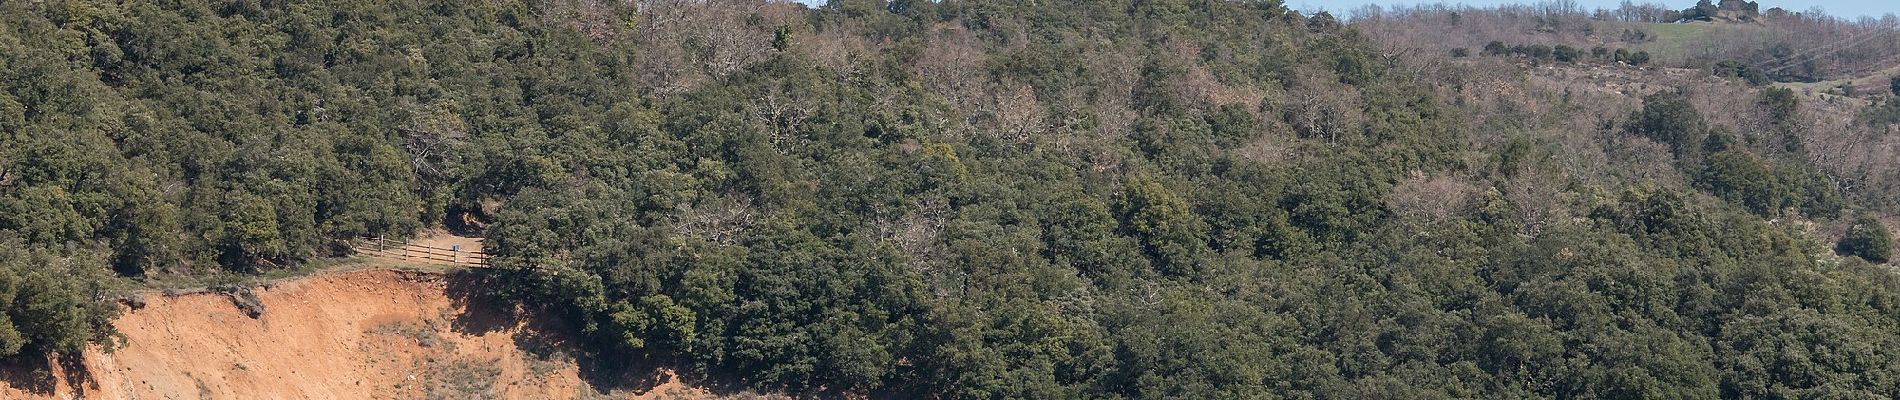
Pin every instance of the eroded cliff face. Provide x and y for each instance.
(368, 334)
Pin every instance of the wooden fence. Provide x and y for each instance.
(405, 250)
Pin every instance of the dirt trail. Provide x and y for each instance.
(366, 334)
(433, 248)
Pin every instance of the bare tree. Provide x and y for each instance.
(1641, 12)
(595, 18)
(952, 65)
(1430, 198)
(720, 219)
(784, 114)
(690, 41)
(1537, 202)
(1016, 115)
(431, 134)
(916, 233)
(1114, 99)
(1321, 107)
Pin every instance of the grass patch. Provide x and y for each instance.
(1678, 44)
(461, 379)
(1673, 43)
(178, 284)
(424, 334)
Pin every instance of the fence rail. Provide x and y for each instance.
(405, 250)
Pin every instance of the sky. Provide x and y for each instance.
(1844, 8)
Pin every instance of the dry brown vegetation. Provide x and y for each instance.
(958, 199)
(1576, 114)
(1791, 45)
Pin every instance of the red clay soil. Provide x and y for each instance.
(368, 334)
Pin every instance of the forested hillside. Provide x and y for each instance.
(1784, 44)
(966, 198)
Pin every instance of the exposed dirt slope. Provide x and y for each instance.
(369, 334)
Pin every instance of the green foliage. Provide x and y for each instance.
(1559, 53)
(1869, 240)
(1703, 11)
(1172, 234)
(53, 302)
(1720, 163)
(1563, 53)
(252, 233)
(1536, 51)
(1670, 119)
(1741, 177)
(1496, 48)
(782, 38)
(195, 136)
(971, 199)
(1737, 69)
(1781, 105)
(1632, 58)
(1323, 22)
(1882, 113)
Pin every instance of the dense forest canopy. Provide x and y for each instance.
(956, 199)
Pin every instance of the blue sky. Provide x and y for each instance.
(1844, 8)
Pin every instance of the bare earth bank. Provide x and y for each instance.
(368, 334)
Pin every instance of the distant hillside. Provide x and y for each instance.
(1787, 46)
